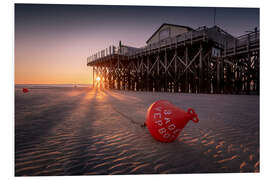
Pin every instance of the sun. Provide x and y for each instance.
(98, 79)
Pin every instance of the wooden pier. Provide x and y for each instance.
(205, 60)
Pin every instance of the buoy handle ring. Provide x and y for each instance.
(193, 114)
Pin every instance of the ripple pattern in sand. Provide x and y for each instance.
(80, 132)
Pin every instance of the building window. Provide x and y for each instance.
(165, 33)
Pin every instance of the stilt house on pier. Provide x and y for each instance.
(178, 58)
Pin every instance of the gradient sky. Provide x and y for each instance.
(52, 42)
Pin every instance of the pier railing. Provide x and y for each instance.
(111, 50)
(242, 44)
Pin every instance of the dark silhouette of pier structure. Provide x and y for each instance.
(181, 59)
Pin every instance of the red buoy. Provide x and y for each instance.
(165, 121)
(25, 90)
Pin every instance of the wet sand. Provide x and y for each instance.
(83, 131)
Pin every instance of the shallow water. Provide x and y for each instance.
(79, 131)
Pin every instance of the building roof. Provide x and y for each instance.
(175, 25)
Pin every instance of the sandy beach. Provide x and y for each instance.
(84, 131)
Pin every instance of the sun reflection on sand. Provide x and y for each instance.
(97, 93)
(74, 93)
(100, 95)
(90, 94)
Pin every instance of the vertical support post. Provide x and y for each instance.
(191, 38)
(158, 77)
(114, 77)
(110, 74)
(109, 78)
(222, 75)
(166, 73)
(229, 78)
(93, 76)
(105, 77)
(218, 76)
(118, 70)
(175, 73)
(225, 48)
(128, 76)
(137, 74)
(124, 79)
(258, 80)
(248, 73)
(201, 89)
(142, 74)
(248, 41)
(147, 71)
(235, 45)
(185, 83)
(237, 80)
(97, 74)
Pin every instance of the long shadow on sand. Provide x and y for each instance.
(80, 149)
(38, 124)
(31, 136)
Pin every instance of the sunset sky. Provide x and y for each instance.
(52, 42)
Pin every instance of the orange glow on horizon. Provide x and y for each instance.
(59, 74)
(51, 62)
